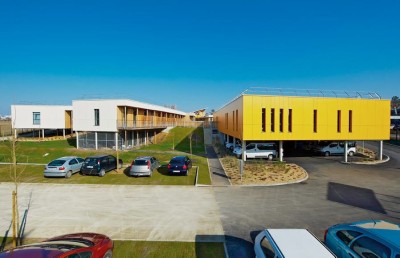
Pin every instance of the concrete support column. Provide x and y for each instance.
(95, 141)
(146, 137)
(15, 133)
(133, 136)
(154, 139)
(126, 139)
(380, 150)
(116, 140)
(346, 147)
(244, 150)
(42, 133)
(64, 133)
(280, 151)
(137, 138)
(77, 139)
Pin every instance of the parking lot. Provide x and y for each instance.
(334, 193)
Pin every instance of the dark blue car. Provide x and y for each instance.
(369, 238)
(179, 165)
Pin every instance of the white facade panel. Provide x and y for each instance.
(51, 116)
(84, 115)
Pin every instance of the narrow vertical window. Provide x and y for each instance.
(263, 119)
(281, 120)
(290, 121)
(237, 120)
(272, 119)
(339, 118)
(96, 117)
(226, 120)
(233, 120)
(350, 121)
(36, 118)
(315, 121)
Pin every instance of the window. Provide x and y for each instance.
(96, 117)
(233, 120)
(367, 247)
(84, 254)
(73, 162)
(347, 235)
(226, 120)
(267, 248)
(36, 118)
(339, 118)
(290, 121)
(263, 119)
(281, 120)
(250, 146)
(350, 121)
(315, 120)
(272, 119)
(266, 146)
(237, 118)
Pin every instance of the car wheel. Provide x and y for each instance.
(327, 153)
(102, 173)
(270, 157)
(351, 153)
(108, 254)
(69, 174)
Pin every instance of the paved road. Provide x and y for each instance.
(156, 213)
(334, 193)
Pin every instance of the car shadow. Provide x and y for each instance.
(235, 247)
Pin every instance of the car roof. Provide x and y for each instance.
(383, 229)
(67, 157)
(143, 157)
(298, 243)
(179, 157)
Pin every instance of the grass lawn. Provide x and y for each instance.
(131, 249)
(45, 151)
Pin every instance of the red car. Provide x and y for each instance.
(79, 245)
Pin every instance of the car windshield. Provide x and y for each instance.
(140, 162)
(91, 161)
(57, 162)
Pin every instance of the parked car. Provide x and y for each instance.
(336, 148)
(289, 243)
(369, 238)
(179, 165)
(63, 167)
(237, 151)
(260, 150)
(230, 145)
(143, 166)
(79, 245)
(99, 165)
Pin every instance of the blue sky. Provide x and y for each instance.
(194, 54)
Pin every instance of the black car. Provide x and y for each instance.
(179, 165)
(99, 165)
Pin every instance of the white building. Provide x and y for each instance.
(102, 123)
(41, 117)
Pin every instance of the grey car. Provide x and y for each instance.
(143, 166)
(63, 167)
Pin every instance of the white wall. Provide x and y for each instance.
(83, 115)
(51, 116)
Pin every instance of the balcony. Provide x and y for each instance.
(150, 124)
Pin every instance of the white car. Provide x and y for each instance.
(261, 150)
(289, 243)
(337, 148)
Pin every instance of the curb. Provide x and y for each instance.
(375, 162)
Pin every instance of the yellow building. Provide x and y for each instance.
(318, 116)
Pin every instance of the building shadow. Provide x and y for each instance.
(354, 196)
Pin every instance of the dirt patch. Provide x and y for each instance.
(262, 172)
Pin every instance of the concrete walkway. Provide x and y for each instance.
(218, 176)
(148, 213)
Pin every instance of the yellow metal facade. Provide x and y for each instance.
(257, 117)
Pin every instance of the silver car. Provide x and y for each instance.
(144, 166)
(63, 167)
